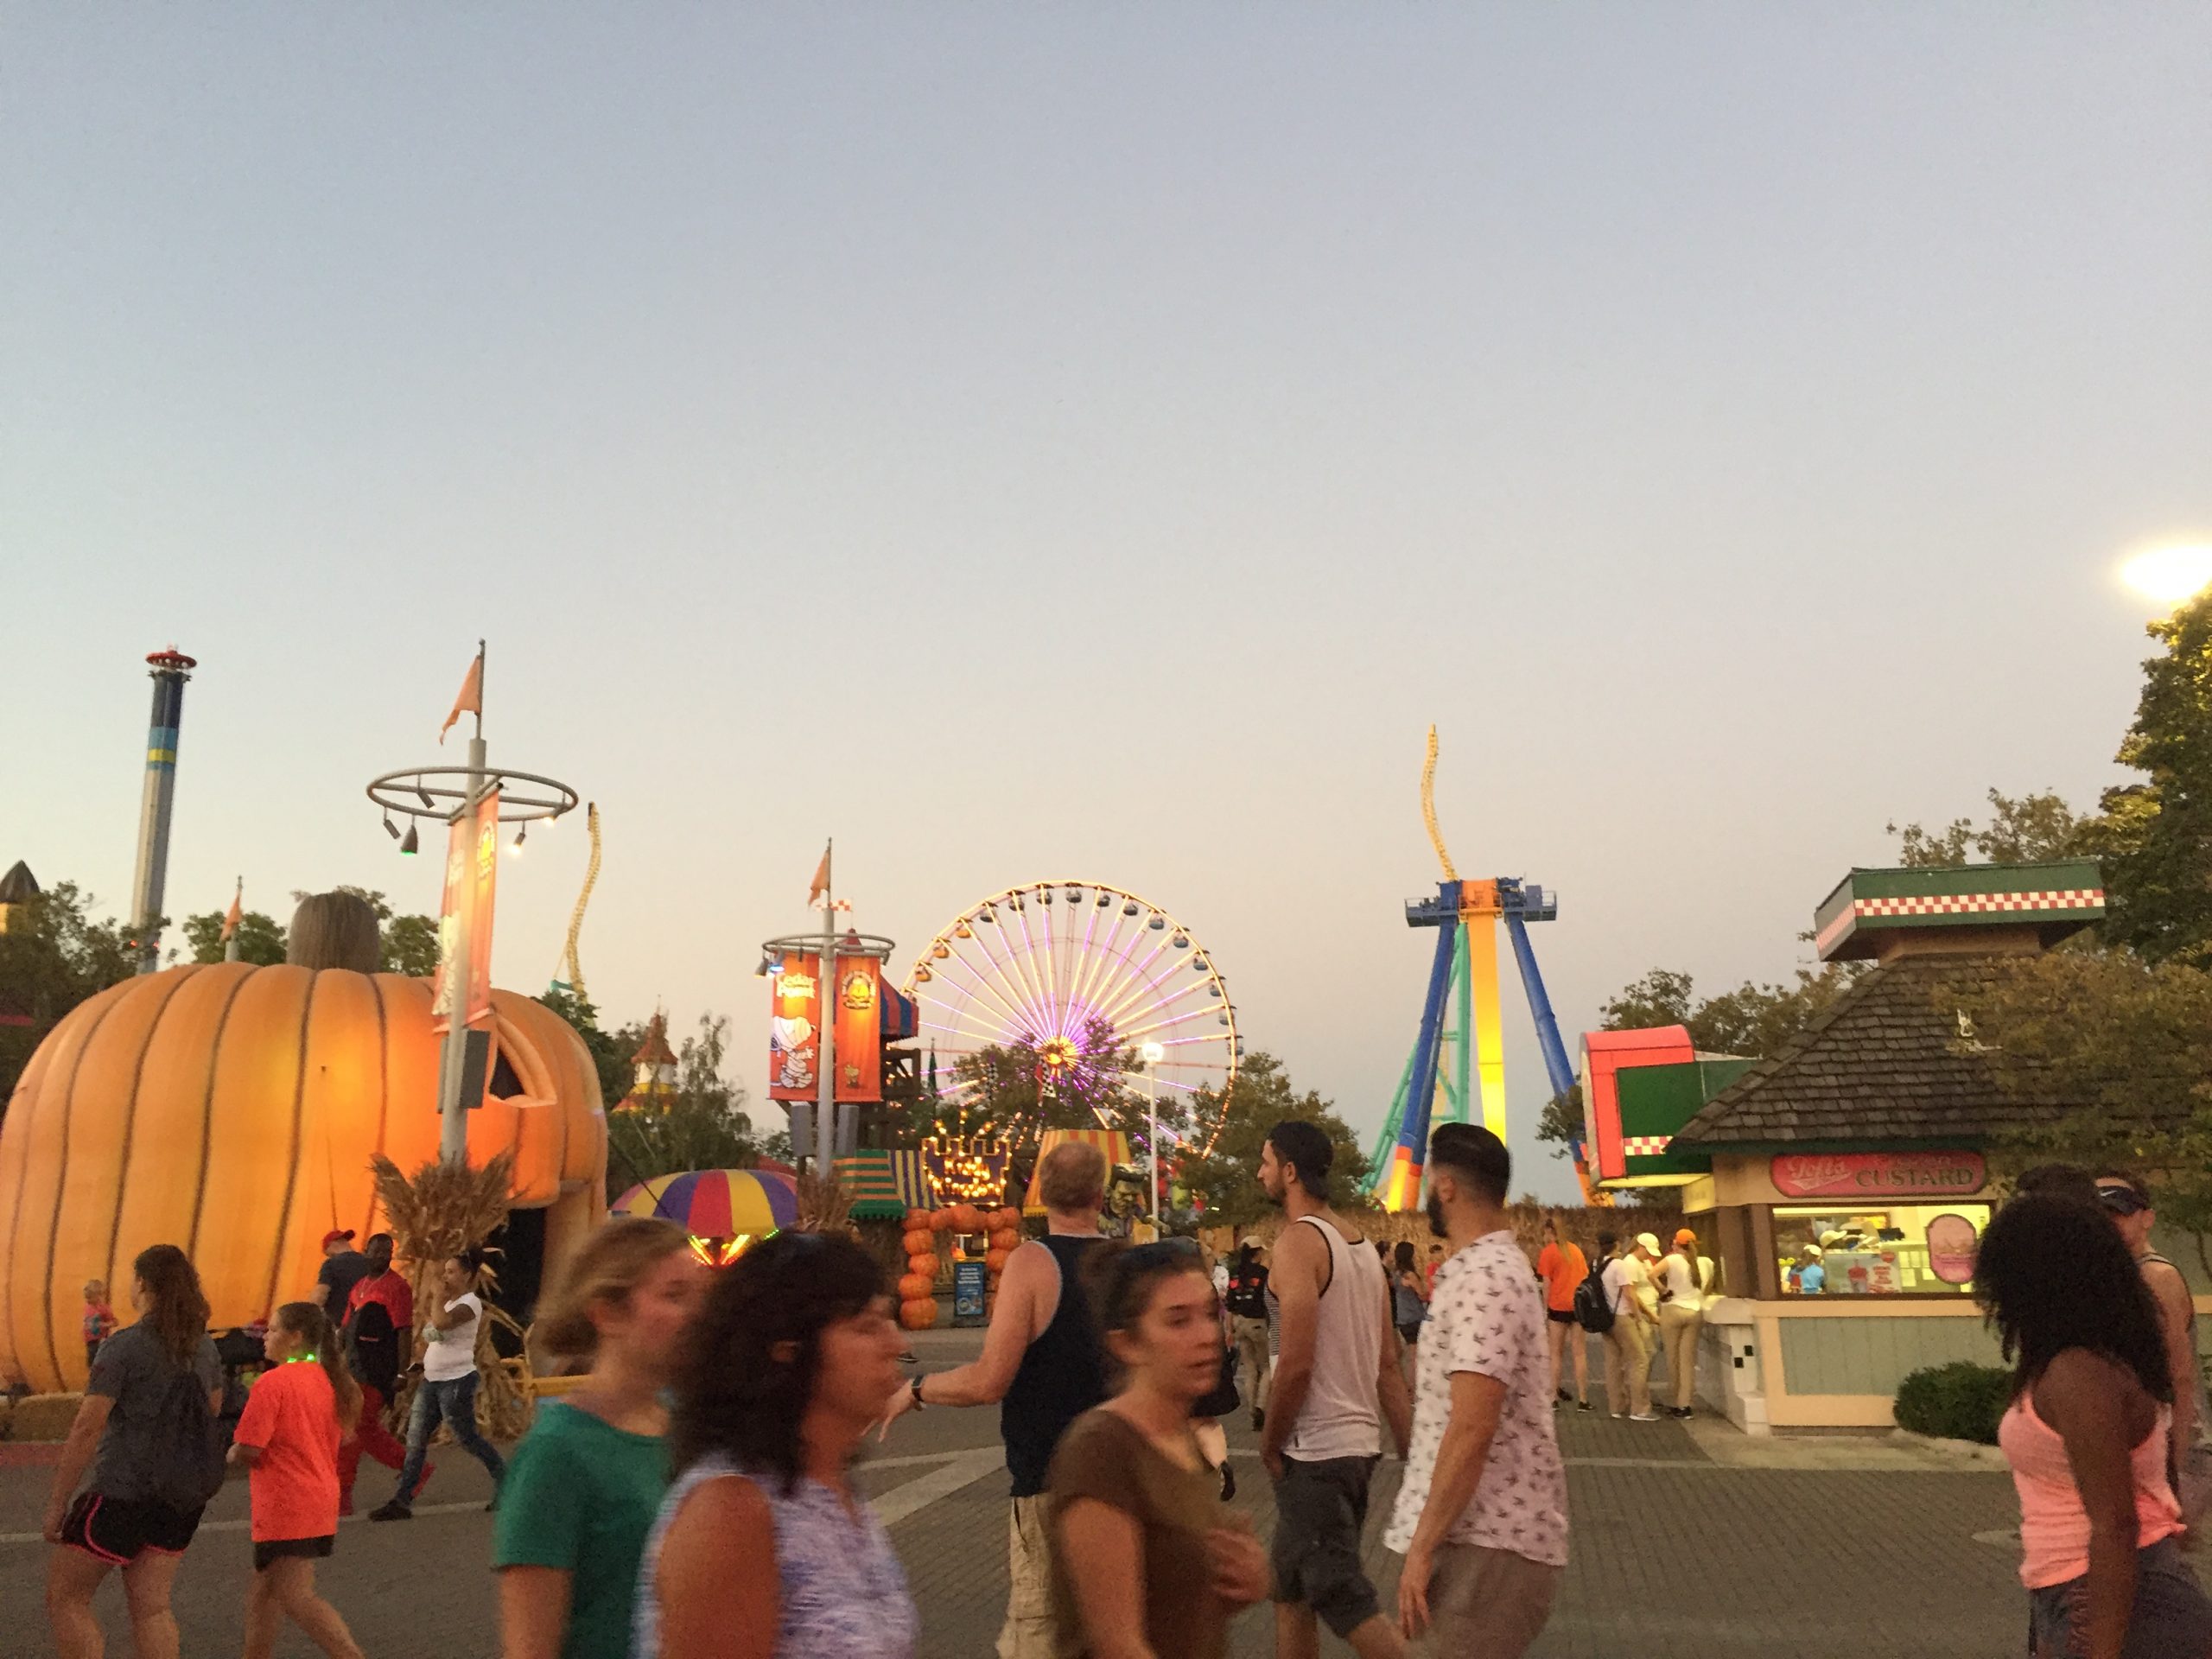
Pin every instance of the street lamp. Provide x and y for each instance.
(2169, 575)
(1153, 1054)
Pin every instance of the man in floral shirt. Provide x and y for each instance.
(1481, 1512)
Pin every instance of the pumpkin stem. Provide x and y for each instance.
(335, 929)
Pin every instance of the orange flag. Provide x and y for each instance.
(470, 700)
(820, 885)
(231, 921)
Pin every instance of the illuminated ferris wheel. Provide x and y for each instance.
(1075, 971)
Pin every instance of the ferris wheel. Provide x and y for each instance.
(1075, 971)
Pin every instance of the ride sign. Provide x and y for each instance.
(1878, 1174)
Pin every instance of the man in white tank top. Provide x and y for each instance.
(1337, 1379)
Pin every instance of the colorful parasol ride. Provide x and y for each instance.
(721, 1205)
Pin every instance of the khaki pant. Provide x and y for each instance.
(1678, 1328)
(1252, 1352)
(1628, 1365)
(1487, 1604)
(1028, 1632)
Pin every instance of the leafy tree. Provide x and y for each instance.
(2022, 829)
(1753, 1020)
(2155, 838)
(1562, 1122)
(53, 957)
(1005, 1094)
(261, 940)
(2128, 1044)
(704, 1125)
(1237, 1121)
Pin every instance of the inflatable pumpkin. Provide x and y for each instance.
(231, 1109)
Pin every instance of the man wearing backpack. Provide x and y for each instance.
(1561, 1266)
(1246, 1300)
(1627, 1339)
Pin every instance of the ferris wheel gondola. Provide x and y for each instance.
(1076, 972)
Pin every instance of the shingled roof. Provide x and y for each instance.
(1886, 1062)
(18, 887)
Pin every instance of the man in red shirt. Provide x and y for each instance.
(379, 1342)
(1561, 1265)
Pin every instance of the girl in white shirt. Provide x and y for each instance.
(1684, 1276)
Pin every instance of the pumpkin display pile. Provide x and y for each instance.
(918, 1287)
(232, 1110)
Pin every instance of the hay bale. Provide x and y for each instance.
(43, 1416)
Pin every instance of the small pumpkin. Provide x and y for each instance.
(918, 1314)
(941, 1221)
(967, 1218)
(923, 1264)
(915, 1286)
(919, 1241)
(993, 1262)
(1008, 1217)
(1004, 1240)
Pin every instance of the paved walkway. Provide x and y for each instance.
(1688, 1540)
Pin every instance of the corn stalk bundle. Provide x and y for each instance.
(824, 1206)
(445, 1209)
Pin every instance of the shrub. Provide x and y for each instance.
(1959, 1401)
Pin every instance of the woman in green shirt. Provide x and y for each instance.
(585, 1482)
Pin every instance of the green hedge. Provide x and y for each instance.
(1959, 1401)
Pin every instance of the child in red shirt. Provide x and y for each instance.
(288, 1436)
(99, 1319)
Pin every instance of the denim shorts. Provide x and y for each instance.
(2172, 1616)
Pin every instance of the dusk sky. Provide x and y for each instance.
(1097, 441)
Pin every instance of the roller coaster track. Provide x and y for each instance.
(576, 921)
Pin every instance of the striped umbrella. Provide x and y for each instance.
(715, 1203)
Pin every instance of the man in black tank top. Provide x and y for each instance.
(1043, 1364)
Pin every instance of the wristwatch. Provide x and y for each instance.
(915, 1388)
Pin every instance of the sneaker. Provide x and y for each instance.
(1616, 1415)
(1582, 1405)
(1259, 1420)
(1643, 1417)
(395, 1510)
(1561, 1395)
(1683, 1411)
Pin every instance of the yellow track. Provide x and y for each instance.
(576, 921)
(1428, 808)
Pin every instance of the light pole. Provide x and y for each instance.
(1153, 1054)
(451, 794)
(826, 1138)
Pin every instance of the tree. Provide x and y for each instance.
(1005, 1093)
(2127, 1045)
(261, 940)
(1753, 1020)
(1237, 1121)
(2023, 830)
(704, 1125)
(2155, 837)
(52, 957)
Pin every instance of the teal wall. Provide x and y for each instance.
(1872, 1356)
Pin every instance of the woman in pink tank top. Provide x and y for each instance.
(2086, 1437)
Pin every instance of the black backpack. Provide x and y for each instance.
(188, 1469)
(1248, 1292)
(1593, 1309)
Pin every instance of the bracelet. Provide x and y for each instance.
(915, 1390)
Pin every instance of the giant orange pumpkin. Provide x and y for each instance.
(232, 1110)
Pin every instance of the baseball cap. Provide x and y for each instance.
(337, 1235)
(1253, 1241)
(1814, 1250)
(1650, 1241)
(1684, 1235)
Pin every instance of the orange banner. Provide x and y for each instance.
(795, 1028)
(859, 1046)
(472, 877)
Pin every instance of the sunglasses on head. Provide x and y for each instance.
(2121, 1200)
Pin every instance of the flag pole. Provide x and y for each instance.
(825, 1083)
(453, 1062)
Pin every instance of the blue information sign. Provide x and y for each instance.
(967, 1282)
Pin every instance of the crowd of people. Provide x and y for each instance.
(693, 1496)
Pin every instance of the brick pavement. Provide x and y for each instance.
(1676, 1552)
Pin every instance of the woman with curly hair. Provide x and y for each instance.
(2086, 1437)
(764, 1548)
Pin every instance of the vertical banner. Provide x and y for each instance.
(859, 1045)
(795, 1028)
(472, 875)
